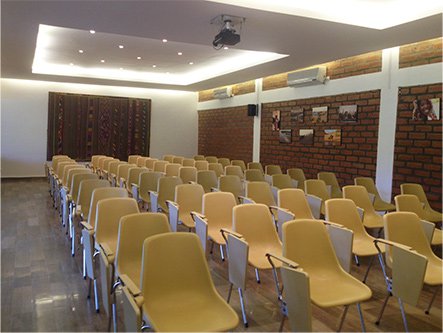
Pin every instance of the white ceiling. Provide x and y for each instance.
(141, 25)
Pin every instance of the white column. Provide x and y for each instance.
(257, 122)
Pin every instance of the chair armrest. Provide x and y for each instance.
(391, 243)
(173, 214)
(122, 183)
(215, 189)
(361, 212)
(198, 215)
(154, 201)
(245, 200)
(428, 228)
(329, 189)
(274, 191)
(225, 232)
(283, 215)
(132, 288)
(282, 259)
(315, 204)
(193, 182)
(371, 197)
(268, 179)
(87, 226)
(134, 191)
(107, 253)
(294, 183)
(201, 229)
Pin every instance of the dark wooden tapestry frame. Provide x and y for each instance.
(84, 125)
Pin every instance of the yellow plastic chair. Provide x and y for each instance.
(224, 161)
(330, 179)
(272, 170)
(411, 203)
(199, 158)
(234, 170)
(318, 188)
(165, 191)
(217, 168)
(94, 161)
(132, 232)
(208, 179)
(239, 163)
(307, 243)
(171, 170)
(211, 159)
(231, 184)
(60, 182)
(101, 165)
(216, 214)
(360, 196)
(406, 228)
(178, 160)
(150, 163)
(52, 171)
(260, 193)
(122, 174)
(201, 165)
(113, 172)
(177, 292)
(254, 175)
(187, 174)
(160, 166)
(256, 166)
(106, 167)
(132, 179)
(141, 161)
(431, 215)
(188, 162)
(169, 158)
(132, 159)
(187, 199)
(147, 181)
(344, 212)
(298, 175)
(379, 203)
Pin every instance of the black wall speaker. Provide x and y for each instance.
(252, 110)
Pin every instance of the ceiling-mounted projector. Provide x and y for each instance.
(227, 36)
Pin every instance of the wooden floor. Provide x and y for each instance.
(42, 288)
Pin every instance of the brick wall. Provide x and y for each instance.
(357, 154)
(226, 132)
(421, 53)
(418, 145)
(237, 89)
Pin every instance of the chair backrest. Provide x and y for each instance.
(141, 161)
(149, 163)
(133, 177)
(68, 173)
(189, 198)
(217, 168)
(148, 181)
(59, 159)
(254, 175)
(160, 166)
(71, 175)
(61, 167)
(166, 190)
(318, 188)
(294, 200)
(107, 163)
(133, 231)
(368, 183)
(113, 166)
(260, 192)
(234, 170)
(188, 174)
(254, 222)
(132, 159)
(85, 190)
(94, 160)
(231, 184)
(188, 162)
(123, 169)
(307, 243)
(224, 161)
(77, 178)
(102, 160)
(415, 189)
(240, 163)
(199, 158)
(409, 203)
(169, 158)
(256, 166)
(103, 193)
(344, 212)
(217, 208)
(178, 159)
(208, 179)
(330, 179)
(211, 159)
(109, 212)
(360, 196)
(172, 169)
(282, 181)
(201, 165)
(272, 170)
(298, 175)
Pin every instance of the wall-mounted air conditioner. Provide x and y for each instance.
(222, 93)
(307, 77)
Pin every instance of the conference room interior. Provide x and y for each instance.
(313, 139)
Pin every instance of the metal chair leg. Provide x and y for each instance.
(280, 329)
(343, 318)
(362, 321)
(432, 301)
(357, 262)
(367, 270)
(97, 308)
(222, 253)
(257, 275)
(383, 308)
(243, 311)
(229, 293)
(403, 314)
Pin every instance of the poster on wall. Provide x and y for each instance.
(297, 115)
(306, 136)
(426, 109)
(332, 137)
(285, 136)
(276, 120)
(348, 113)
(319, 114)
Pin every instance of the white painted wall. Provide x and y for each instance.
(388, 81)
(24, 117)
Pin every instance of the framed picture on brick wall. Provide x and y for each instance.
(332, 137)
(426, 109)
(319, 114)
(348, 113)
(285, 136)
(276, 120)
(306, 136)
(297, 115)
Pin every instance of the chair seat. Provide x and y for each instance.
(433, 275)
(342, 289)
(187, 220)
(363, 247)
(257, 256)
(191, 313)
(373, 221)
(380, 205)
(433, 216)
(216, 236)
(437, 238)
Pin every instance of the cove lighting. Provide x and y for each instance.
(49, 53)
(364, 13)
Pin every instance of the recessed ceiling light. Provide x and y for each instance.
(167, 73)
(71, 64)
(153, 66)
(139, 58)
(121, 68)
(80, 51)
(179, 53)
(103, 60)
(226, 48)
(120, 46)
(191, 63)
(92, 31)
(164, 40)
